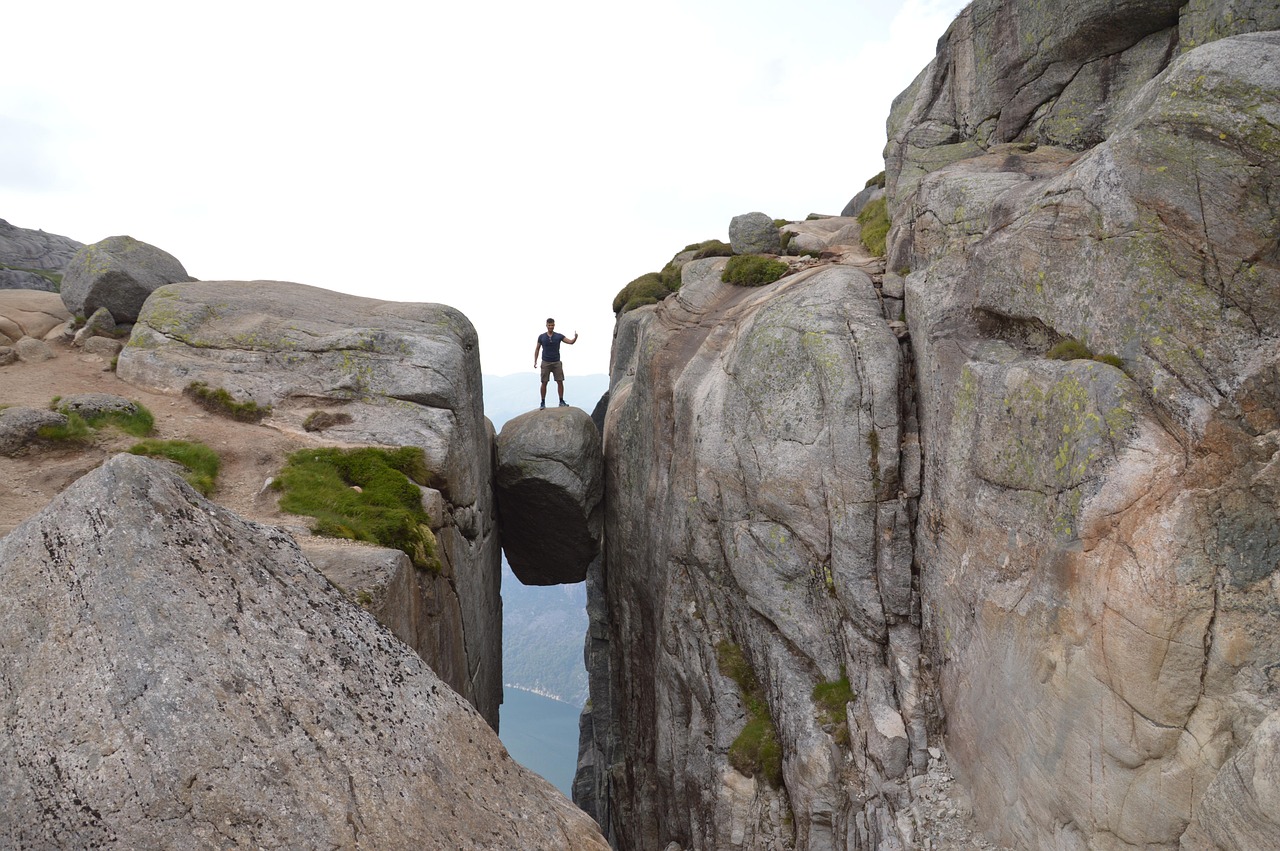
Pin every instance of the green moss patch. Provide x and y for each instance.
(874, 219)
(753, 270)
(831, 698)
(1070, 348)
(200, 462)
(649, 288)
(363, 494)
(756, 750)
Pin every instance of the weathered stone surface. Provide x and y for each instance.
(177, 677)
(20, 427)
(1001, 73)
(8, 355)
(96, 404)
(118, 273)
(103, 346)
(753, 444)
(862, 199)
(31, 349)
(550, 488)
(20, 279)
(27, 313)
(754, 233)
(417, 605)
(24, 251)
(1098, 545)
(822, 234)
(407, 374)
(100, 323)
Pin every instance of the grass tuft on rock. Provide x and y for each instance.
(139, 422)
(649, 288)
(753, 270)
(74, 430)
(831, 699)
(756, 750)
(365, 494)
(1070, 348)
(874, 219)
(218, 401)
(200, 462)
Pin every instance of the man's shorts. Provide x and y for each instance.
(554, 368)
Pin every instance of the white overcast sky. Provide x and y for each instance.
(512, 159)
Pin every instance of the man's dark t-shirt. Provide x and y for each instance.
(550, 346)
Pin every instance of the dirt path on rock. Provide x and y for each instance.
(250, 453)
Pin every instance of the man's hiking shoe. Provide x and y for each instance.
(564, 404)
(542, 406)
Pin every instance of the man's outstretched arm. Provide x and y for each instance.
(574, 340)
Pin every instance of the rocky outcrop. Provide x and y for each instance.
(177, 677)
(754, 233)
(20, 428)
(761, 472)
(550, 490)
(1097, 537)
(29, 313)
(33, 259)
(405, 375)
(118, 273)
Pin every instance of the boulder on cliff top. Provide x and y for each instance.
(118, 273)
(754, 233)
(550, 487)
(177, 677)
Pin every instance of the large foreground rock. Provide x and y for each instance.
(405, 375)
(174, 677)
(118, 273)
(550, 482)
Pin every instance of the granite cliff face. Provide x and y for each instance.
(1040, 540)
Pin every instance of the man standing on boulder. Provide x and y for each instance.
(549, 346)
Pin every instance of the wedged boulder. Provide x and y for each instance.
(754, 233)
(118, 273)
(20, 427)
(27, 313)
(177, 677)
(101, 323)
(550, 488)
(406, 375)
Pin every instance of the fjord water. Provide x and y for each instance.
(542, 735)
